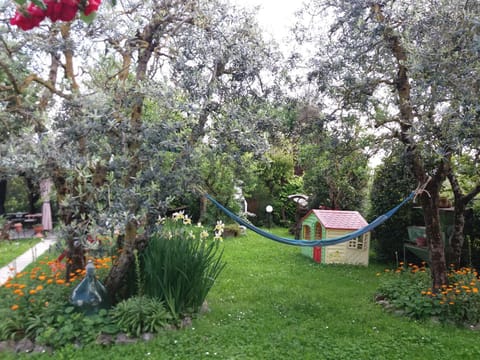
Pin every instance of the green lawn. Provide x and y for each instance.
(10, 249)
(273, 303)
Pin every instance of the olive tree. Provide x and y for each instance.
(137, 99)
(409, 70)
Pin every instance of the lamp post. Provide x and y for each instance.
(269, 209)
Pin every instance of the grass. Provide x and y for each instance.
(271, 302)
(11, 249)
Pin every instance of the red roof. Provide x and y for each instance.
(340, 219)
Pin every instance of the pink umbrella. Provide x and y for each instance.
(45, 186)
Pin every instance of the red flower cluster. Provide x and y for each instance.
(56, 10)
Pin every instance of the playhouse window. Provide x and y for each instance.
(358, 243)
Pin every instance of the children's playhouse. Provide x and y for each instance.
(326, 224)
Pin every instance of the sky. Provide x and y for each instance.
(275, 16)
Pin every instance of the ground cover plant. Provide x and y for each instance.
(11, 249)
(407, 289)
(270, 302)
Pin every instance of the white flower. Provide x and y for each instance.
(218, 236)
(187, 220)
(204, 234)
(178, 215)
(220, 226)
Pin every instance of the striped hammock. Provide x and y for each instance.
(323, 242)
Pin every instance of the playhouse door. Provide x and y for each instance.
(317, 254)
(317, 250)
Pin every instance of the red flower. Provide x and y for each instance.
(92, 6)
(54, 8)
(69, 10)
(29, 18)
(64, 10)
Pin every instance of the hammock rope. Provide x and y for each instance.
(323, 242)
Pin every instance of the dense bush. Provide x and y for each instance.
(391, 184)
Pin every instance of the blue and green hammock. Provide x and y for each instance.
(324, 242)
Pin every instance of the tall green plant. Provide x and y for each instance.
(181, 264)
(390, 185)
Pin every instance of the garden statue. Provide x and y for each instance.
(90, 295)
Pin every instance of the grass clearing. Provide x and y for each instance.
(270, 302)
(11, 249)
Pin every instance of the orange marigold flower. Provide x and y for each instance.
(42, 277)
(451, 303)
(14, 307)
(32, 292)
(39, 287)
(60, 281)
(475, 290)
(8, 285)
(49, 281)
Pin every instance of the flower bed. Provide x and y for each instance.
(407, 290)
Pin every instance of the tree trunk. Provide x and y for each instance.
(430, 205)
(116, 281)
(461, 201)
(33, 193)
(3, 195)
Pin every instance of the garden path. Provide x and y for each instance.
(26, 258)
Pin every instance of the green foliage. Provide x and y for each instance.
(17, 196)
(180, 264)
(276, 180)
(409, 291)
(140, 314)
(336, 171)
(68, 326)
(391, 184)
(220, 175)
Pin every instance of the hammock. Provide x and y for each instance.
(324, 242)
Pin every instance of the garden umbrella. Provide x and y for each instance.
(45, 186)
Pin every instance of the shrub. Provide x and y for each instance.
(181, 264)
(140, 314)
(408, 290)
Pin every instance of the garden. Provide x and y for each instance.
(128, 128)
(269, 302)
